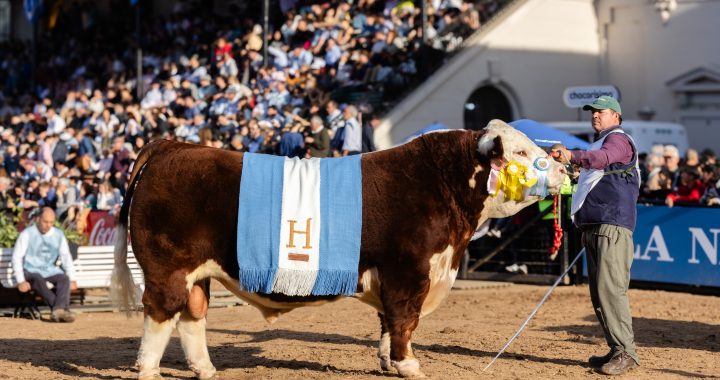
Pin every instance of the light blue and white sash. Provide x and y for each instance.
(299, 225)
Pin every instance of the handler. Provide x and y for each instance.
(604, 208)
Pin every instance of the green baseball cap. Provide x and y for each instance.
(602, 103)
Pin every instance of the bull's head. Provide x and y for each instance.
(525, 172)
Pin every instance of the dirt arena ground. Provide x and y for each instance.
(678, 336)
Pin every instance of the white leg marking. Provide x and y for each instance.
(194, 343)
(154, 341)
(408, 368)
(384, 352)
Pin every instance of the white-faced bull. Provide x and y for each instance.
(421, 204)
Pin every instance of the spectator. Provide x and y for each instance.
(692, 159)
(11, 161)
(689, 189)
(108, 198)
(55, 123)
(67, 197)
(708, 157)
(120, 162)
(368, 132)
(291, 142)
(352, 143)
(711, 180)
(253, 142)
(206, 137)
(672, 162)
(46, 196)
(236, 143)
(7, 200)
(36, 251)
(318, 139)
(334, 117)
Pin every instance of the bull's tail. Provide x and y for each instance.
(122, 285)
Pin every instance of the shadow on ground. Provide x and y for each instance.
(660, 333)
(79, 358)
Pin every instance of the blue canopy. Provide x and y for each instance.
(546, 136)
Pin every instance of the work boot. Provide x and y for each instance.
(61, 315)
(598, 361)
(619, 364)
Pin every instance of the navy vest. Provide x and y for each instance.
(613, 200)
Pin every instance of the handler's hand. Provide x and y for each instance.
(24, 287)
(560, 153)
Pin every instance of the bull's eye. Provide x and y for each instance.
(521, 153)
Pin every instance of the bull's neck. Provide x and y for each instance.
(462, 169)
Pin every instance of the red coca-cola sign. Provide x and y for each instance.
(100, 228)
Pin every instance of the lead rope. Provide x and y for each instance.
(542, 301)
(557, 241)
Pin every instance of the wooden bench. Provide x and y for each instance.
(93, 269)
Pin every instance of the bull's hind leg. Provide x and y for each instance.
(191, 328)
(384, 347)
(402, 318)
(164, 299)
(155, 339)
(192, 337)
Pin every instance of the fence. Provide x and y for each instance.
(673, 247)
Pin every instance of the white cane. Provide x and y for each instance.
(536, 309)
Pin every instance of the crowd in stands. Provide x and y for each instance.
(70, 141)
(671, 179)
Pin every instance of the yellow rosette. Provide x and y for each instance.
(512, 181)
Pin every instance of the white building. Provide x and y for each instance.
(663, 56)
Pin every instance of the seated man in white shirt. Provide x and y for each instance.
(34, 260)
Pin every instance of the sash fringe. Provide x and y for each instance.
(342, 282)
(257, 280)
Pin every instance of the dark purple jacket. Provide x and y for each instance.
(614, 199)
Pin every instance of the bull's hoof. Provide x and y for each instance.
(385, 363)
(150, 376)
(206, 374)
(409, 368)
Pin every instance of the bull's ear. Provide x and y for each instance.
(490, 145)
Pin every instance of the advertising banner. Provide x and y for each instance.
(576, 97)
(677, 245)
(100, 228)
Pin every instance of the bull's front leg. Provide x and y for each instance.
(401, 317)
(384, 347)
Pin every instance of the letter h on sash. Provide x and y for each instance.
(291, 241)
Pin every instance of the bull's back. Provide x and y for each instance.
(184, 206)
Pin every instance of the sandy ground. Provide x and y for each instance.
(678, 336)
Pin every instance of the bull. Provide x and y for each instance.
(421, 204)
